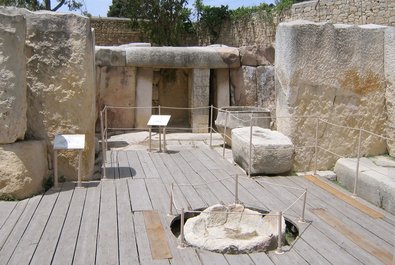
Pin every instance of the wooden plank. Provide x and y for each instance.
(239, 259)
(261, 258)
(194, 199)
(127, 241)
(16, 224)
(342, 196)
(211, 258)
(47, 245)
(123, 164)
(68, 239)
(377, 230)
(147, 165)
(230, 168)
(28, 243)
(167, 179)
(156, 236)
(158, 194)
(6, 209)
(362, 242)
(107, 240)
(328, 242)
(143, 245)
(135, 165)
(12, 221)
(139, 196)
(289, 257)
(310, 254)
(85, 250)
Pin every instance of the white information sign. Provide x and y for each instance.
(159, 120)
(69, 142)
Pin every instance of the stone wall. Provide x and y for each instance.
(337, 73)
(115, 31)
(54, 62)
(357, 12)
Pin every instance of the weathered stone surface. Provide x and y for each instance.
(116, 87)
(233, 117)
(272, 152)
(143, 96)
(233, 229)
(60, 78)
(110, 56)
(376, 179)
(266, 87)
(335, 72)
(183, 57)
(13, 89)
(245, 83)
(23, 167)
(389, 68)
(255, 55)
(199, 96)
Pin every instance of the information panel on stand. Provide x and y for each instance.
(159, 120)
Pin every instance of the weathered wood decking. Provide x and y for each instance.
(104, 222)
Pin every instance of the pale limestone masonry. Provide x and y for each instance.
(359, 12)
(335, 72)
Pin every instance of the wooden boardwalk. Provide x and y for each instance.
(121, 220)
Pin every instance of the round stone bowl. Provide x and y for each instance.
(240, 116)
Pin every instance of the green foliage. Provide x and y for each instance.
(282, 5)
(47, 183)
(7, 197)
(246, 12)
(164, 21)
(43, 5)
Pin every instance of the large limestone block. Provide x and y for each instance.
(245, 83)
(256, 55)
(23, 167)
(233, 229)
(376, 179)
(61, 83)
(117, 87)
(272, 152)
(389, 69)
(335, 72)
(266, 87)
(13, 104)
(183, 57)
(199, 97)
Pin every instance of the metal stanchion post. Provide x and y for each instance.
(250, 151)
(211, 126)
(237, 189)
(224, 136)
(79, 183)
(160, 140)
(171, 198)
(149, 138)
(316, 148)
(164, 139)
(55, 169)
(105, 126)
(182, 238)
(279, 249)
(103, 144)
(354, 194)
(302, 219)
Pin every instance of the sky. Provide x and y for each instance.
(100, 7)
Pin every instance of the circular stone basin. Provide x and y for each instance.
(233, 229)
(240, 116)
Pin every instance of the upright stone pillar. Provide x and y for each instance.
(389, 70)
(223, 96)
(143, 96)
(199, 94)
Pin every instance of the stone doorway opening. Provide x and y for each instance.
(170, 88)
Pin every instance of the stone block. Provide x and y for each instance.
(266, 88)
(376, 179)
(61, 83)
(245, 86)
(272, 152)
(110, 56)
(335, 72)
(389, 69)
(23, 167)
(13, 105)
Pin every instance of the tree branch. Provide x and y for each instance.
(59, 5)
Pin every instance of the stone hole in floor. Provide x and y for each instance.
(234, 229)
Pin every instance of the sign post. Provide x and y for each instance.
(68, 142)
(161, 121)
